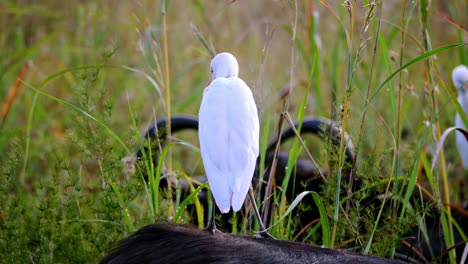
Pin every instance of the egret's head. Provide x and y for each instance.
(460, 77)
(224, 65)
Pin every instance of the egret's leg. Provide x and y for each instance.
(212, 224)
(263, 232)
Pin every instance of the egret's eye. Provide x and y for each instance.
(211, 70)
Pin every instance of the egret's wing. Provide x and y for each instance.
(462, 144)
(460, 80)
(244, 141)
(229, 133)
(213, 135)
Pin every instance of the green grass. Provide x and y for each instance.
(103, 71)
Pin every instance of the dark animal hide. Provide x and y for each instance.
(166, 243)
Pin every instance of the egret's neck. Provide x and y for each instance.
(463, 99)
(225, 71)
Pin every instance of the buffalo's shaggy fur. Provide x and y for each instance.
(167, 243)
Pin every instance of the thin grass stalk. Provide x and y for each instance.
(263, 145)
(269, 188)
(291, 72)
(203, 41)
(335, 78)
(292, 160)
(398, 126)
(266, 125)
(344, 119)
(369, 84)
(445, 216)
(148, 161)
(398, 107)
(294, 152)
(411, 183)
(154, 179)
(400, 90)
(462, 51)
(28, 137)
(167, 84)
(310, 56)
(363, 42)
(13, 92)
(298, 136)
(285, 107)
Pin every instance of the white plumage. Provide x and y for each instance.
(229, 133)
(460, 80)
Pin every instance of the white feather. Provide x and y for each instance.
(462, 144)
(229, 139)
(460, 80)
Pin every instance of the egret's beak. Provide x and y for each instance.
(209, 80)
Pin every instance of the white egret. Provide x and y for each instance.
(228, 131)
(460, 80)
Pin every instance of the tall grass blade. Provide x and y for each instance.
(125, 213)
(326, 234)
(414, 61)
(291, 207)
(203, 41)
(187, 200)
(167, 87)
(198, 206)
(154, 186)
(151, 80)
(442, 140)
(410, 187)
